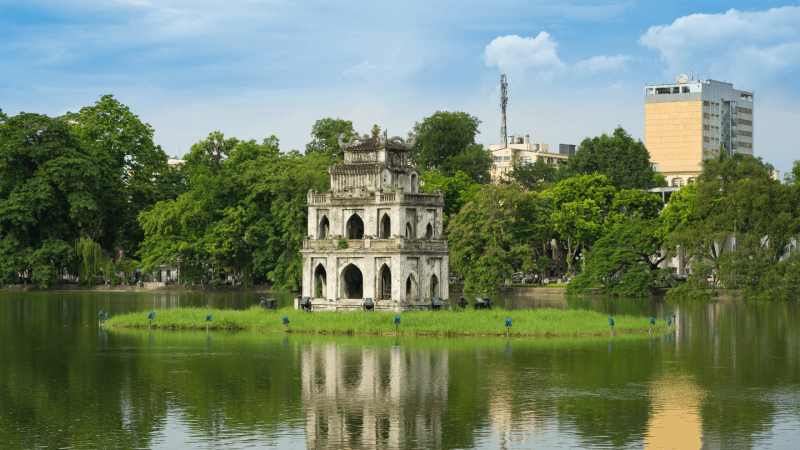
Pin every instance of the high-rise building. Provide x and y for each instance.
(693, 120)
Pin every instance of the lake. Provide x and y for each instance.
(727, 377)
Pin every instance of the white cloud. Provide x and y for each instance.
(514, 54)
(603, 63)
(735, 45)
(366, 70)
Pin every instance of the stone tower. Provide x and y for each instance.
(373, 234)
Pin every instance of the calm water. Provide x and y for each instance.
(729, 377)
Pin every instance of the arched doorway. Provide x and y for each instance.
(324, 228)
(409, 231)
(320, 282)
(386, 227)
(384, 291)
(355, 227)
(434, 286)
(411, 288)
(352, 283)
(429, 232)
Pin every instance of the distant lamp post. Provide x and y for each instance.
(611, 322)
(285, 320)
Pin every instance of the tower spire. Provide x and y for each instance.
(503, 102)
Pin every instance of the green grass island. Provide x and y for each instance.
(531, 323)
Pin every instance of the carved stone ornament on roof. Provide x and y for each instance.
(397, 141)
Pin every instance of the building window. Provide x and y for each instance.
(706, 139)
(706, 116)
(506, 158)
(706, 127)
(526, 160)
(745, 110)
(746, 133)
(745, 145)
(745, 122)
(706, 103)
(677, 182)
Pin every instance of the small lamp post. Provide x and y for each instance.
(208, 321)
(611, 322)
(396, 324)
(285, 321)
(652, 322)
(150, 317)
(508, 326)
(669, 323)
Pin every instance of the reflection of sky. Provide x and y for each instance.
(178, 432)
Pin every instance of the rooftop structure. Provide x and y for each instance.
(520, 150)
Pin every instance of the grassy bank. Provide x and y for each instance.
(538, 322)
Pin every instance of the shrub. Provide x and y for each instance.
(343, 243)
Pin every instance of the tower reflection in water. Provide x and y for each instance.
(373, 397)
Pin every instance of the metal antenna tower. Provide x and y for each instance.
(503, 102)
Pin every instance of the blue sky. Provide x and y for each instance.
(256, 68)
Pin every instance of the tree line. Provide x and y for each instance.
(90, 193)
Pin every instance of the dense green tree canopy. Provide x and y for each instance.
(446, 143)
(48, 195)
(457, 190)
(625, 162)
(326, 136)
(581, 206)
(491, 237)
(538, 176)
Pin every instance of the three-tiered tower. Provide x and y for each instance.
(373, 234)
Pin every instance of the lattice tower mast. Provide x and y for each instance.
(503, 102)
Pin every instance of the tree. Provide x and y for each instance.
(625, 162)
(128, 161)
(492, 235)
(624, 261)
(634, 204)
(326, 136)
(581, 206)
(791, 178)
(741, 224)
(48, 192)
(446, 143)
(458, 190)
(538, 176)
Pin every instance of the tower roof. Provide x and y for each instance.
(376, 142)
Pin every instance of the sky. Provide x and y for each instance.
(253, 69)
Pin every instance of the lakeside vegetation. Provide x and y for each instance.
(90, 193)
(538, 322)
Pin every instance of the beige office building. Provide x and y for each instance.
(520, 151)
(693, 120)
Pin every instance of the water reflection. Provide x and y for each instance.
(373, 397)
(675, 420)
(727, 376)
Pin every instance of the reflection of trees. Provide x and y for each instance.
(373, 397)
(728, 372)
